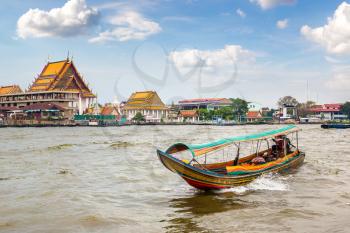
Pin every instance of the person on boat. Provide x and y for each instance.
(274, 152)
(290, 146)
(279, 141)
(271, 155)
(258, 160)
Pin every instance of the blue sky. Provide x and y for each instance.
(254, 49)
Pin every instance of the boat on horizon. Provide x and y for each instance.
(280, 155)
(335, 126)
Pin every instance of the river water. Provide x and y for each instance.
(110, 180)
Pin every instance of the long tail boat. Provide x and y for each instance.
(335, 126)
(238, 170)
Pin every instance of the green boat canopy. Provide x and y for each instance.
(201, 149)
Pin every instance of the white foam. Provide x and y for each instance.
(269, 182)
(266, 182)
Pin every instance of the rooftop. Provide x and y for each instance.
(108, 110)
(326, 108)
(12, 89)
(205, 100)
(60, 75)
(145, 100)
(254, 114)
(42, 106)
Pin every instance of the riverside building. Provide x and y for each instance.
(148, 104)
(59, 83)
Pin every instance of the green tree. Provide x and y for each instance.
(139, 117)
(239, 107)
(203, 114)
(225, 112)
(269, 113)
(346, 109)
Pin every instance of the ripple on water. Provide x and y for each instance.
(272, 182)
(60, 147)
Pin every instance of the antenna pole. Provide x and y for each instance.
(307, 90)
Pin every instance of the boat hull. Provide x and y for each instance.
(207, 180)
(335, 126)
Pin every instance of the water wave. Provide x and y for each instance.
(120, 144)
(60, 146)
(270, 182)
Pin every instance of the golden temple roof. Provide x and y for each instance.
(60, 76)
(145, 100)
(13, 89)
(53, 68)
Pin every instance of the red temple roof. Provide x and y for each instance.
(254, 114)
(108, 110)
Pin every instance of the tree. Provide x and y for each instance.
(239, 107)
(304, 108)
(203, 114)
(345, 108)
(287, 100)
(225, 112)
(269, 113)
(139, 117)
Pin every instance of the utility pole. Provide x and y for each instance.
(307, 90)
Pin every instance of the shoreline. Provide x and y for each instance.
(148, 124)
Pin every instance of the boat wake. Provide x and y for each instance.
(272, 182)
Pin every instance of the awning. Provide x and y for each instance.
(201, 149)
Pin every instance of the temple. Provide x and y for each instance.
(148, 104)
(59, 83)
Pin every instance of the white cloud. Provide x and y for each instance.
(212, 69)
(268, 4)
(334, 36)
(339, 82)
(178, 18)
(282, 24)
(129, 25)
(241, 13)
(227, 56)
(74, 18)
(332, 60)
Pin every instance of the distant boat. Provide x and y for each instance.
(335, 126)
(280, 157)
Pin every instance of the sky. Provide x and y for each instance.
(259, 50)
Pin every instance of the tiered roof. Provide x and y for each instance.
(60, 76)
(148, 100)
(254, 114)
(13, 89)
(109, 110)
